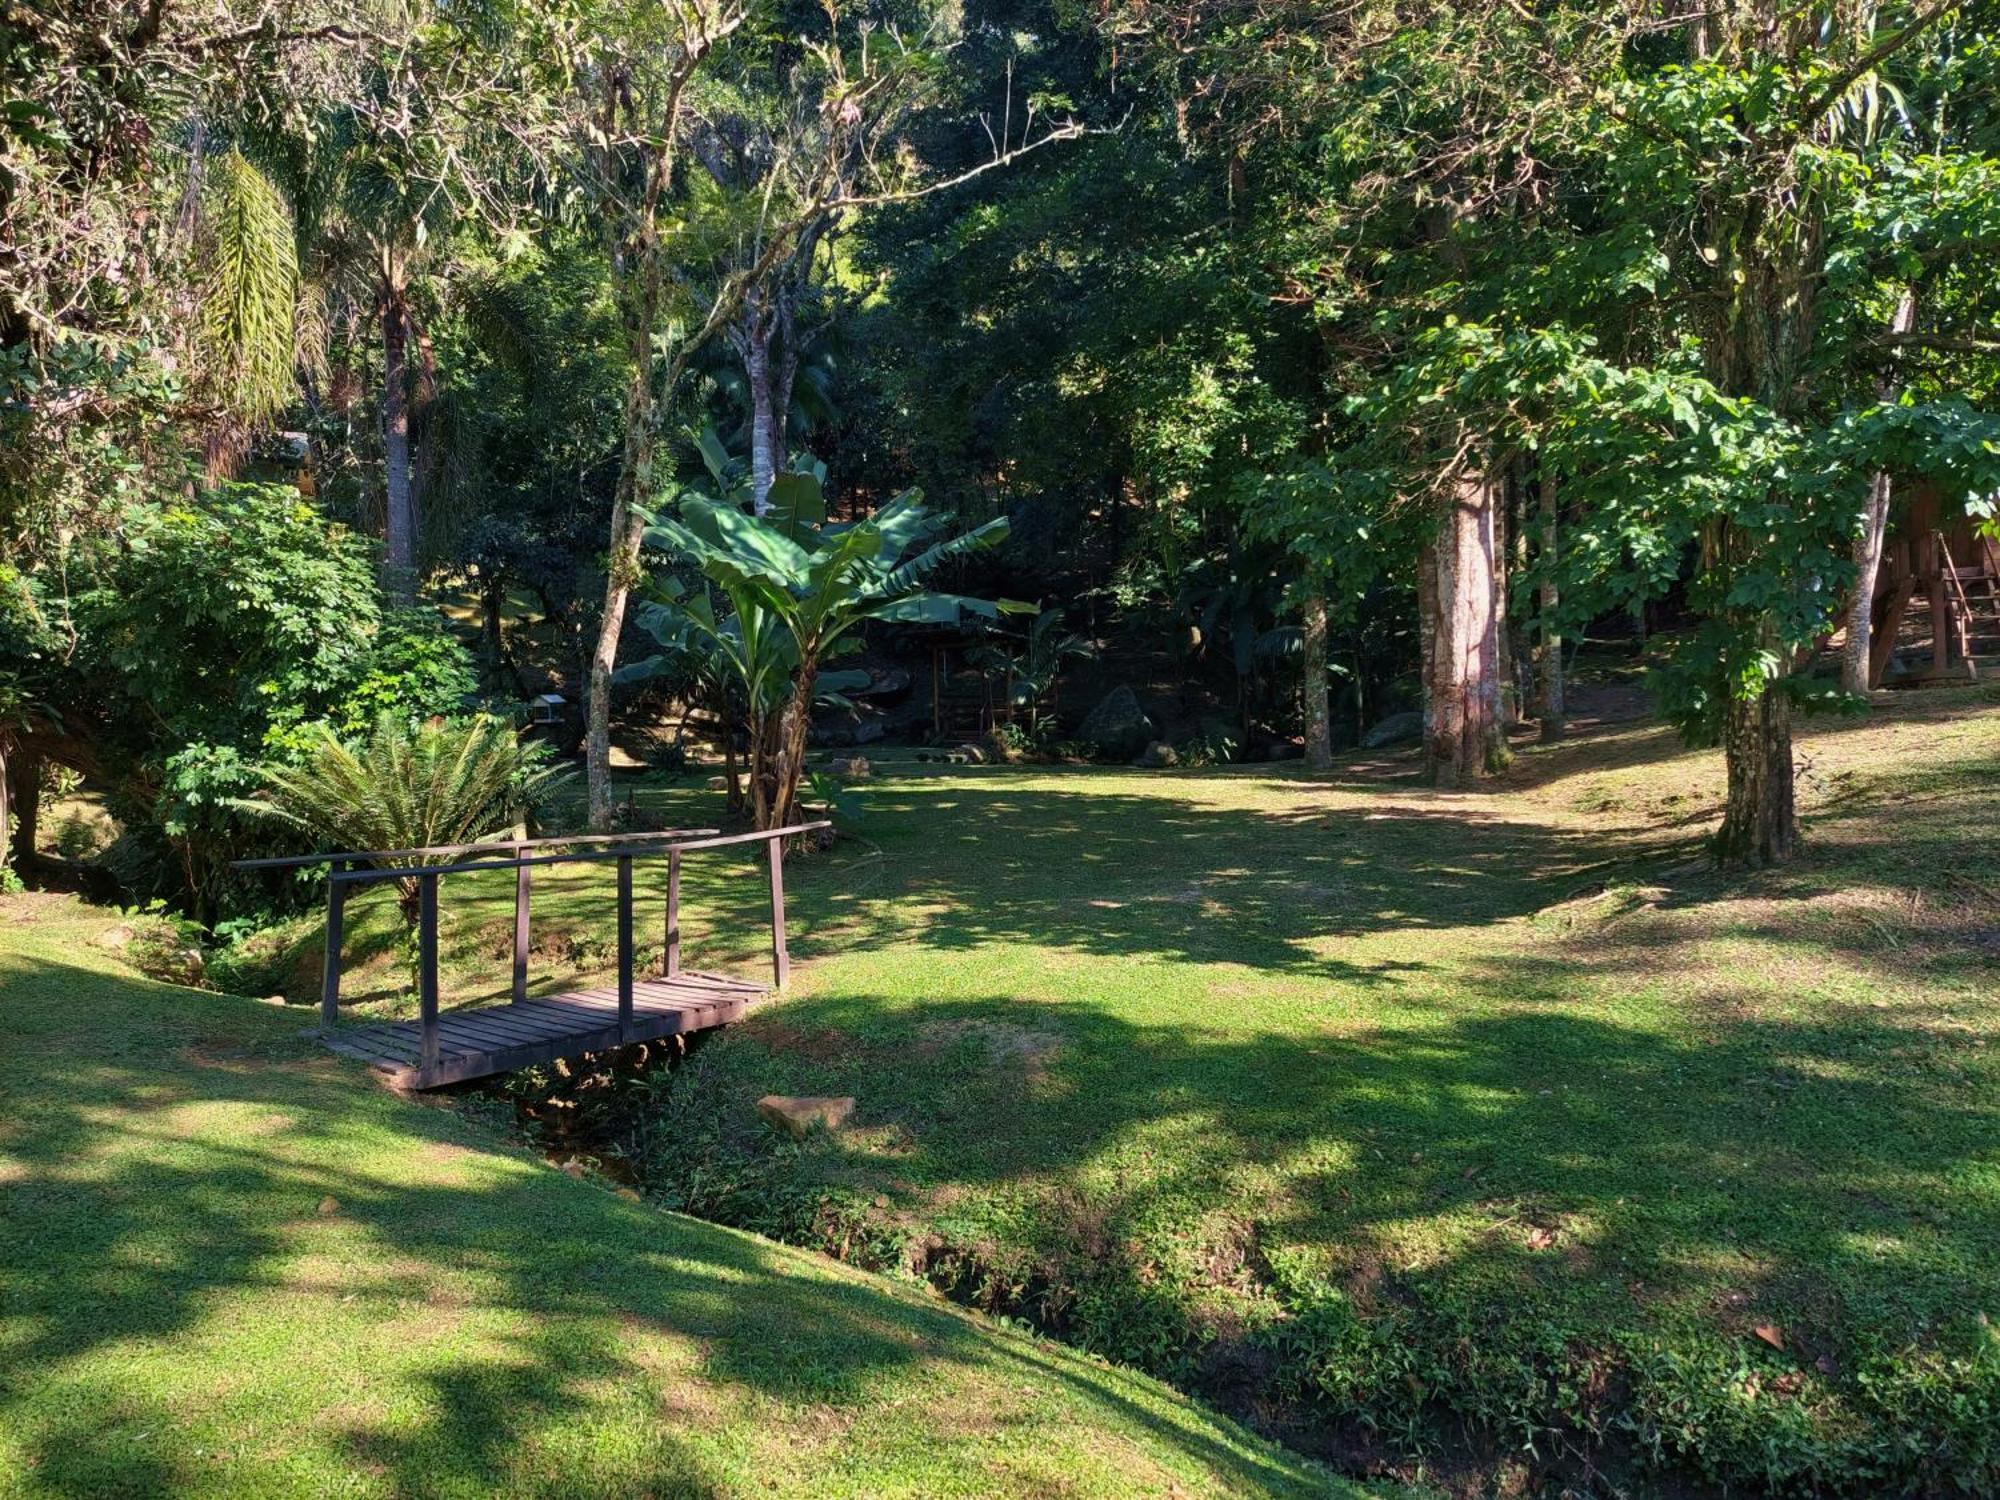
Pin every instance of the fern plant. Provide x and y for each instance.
(444, 781)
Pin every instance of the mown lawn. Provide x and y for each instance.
(231, 1265)
(1492, 1126)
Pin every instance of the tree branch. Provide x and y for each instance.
(1874, 57)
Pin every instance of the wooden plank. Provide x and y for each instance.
(479, 1042)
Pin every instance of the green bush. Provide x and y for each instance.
(263, 959)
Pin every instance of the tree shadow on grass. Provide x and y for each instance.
(261, 1253)
(1835, 1159)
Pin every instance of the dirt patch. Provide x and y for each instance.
(1006, 1045)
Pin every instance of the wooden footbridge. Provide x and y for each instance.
(450, 1047)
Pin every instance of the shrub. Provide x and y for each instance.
(167, 948)
(441, 782)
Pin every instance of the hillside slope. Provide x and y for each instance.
(231, 1265)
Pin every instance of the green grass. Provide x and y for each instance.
(1490, 1125)
(231, 1265)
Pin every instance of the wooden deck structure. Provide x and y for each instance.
(476, 1042)
(1940, 556)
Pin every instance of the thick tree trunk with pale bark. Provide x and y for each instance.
(1318, 711)
(764, 456)
(1457, 592)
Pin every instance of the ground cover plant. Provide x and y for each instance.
(1474, 1133)
(226, 1269)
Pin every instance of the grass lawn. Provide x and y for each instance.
(230, 1265)
(1489, 1125)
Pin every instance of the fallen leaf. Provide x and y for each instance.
(1770, 1334)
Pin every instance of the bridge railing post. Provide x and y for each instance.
(523, 876)
(427, 970)
(329, 979)
(624, 947)
(670, 960)
(781, 959)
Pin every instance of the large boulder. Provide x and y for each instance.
(1397, 729)
(1118, 727)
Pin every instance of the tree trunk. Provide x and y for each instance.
(1462, 734)
(1551, 705)
(1855, 676)
(1759, 826)
(6, 809)
(25, 767)
(757, 373)
(399, 521)
(635, 485)
(1318, 711)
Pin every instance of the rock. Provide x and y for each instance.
(885, 684)
(868, 731)
(1397, 729)
(1118, 727)
(328, 1207)
(630, 1195)
(799, 1115)
(970, 754)
(850, 768)
(1285, 750)
(272, 1000)
(1159, 755)
(115, 937)
(718, 783)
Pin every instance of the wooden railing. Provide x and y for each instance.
(351, 868)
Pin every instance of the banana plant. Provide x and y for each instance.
(797, 590)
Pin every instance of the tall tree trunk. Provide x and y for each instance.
(1855, 676)
(1551, 705)
(621, 575)
(1463, 738)
(757, 374)
(399, 521)
(1318, 711)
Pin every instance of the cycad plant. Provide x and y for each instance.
(444, 781)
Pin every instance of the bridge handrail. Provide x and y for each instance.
(626, 849)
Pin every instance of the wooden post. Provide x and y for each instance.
(329, 979)
(624, 947)
(427, 971)
(781, 961)
(670, 962)
(521, 883)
